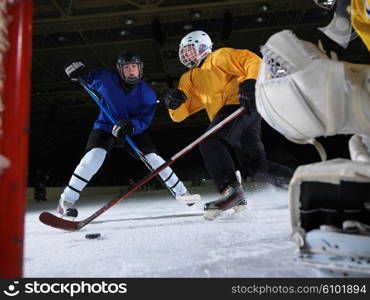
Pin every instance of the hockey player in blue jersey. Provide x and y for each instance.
(131, 101)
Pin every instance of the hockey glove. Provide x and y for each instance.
(174, 98)
(247, 96)
(123, 127)
(75, 70)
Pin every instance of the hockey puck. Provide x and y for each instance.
(92, 236)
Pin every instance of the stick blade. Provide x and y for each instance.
(54, 221)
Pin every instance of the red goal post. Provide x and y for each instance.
(15, 76)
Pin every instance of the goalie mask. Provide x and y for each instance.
(194, 47)
(131, 76)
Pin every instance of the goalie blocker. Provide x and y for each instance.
(329, 193)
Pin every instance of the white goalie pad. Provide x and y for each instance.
(330, 216)
(303, 94)
(329, 193)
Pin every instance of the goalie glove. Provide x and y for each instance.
(123, 127)
(75, 70)
(247, 96)
(174, 98)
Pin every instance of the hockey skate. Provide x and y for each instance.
(189, 199)
(232, 197)
(67, 209)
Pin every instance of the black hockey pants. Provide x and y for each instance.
(245, 133)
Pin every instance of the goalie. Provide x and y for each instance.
(304, 94)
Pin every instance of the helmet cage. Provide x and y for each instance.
(191, 55)
(194, 48)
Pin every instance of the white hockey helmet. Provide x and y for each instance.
(194, 47)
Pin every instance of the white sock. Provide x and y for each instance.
(168, 175)
(88, 166)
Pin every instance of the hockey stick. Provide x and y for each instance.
(54, 221)
(139, 154)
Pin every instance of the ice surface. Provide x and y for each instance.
(152, 235)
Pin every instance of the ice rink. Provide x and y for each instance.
(152, 235)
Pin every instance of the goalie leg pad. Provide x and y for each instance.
(329, 193)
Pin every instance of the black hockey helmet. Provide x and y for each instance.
(128, 57)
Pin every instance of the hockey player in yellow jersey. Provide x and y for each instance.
(220, 82)
(216, 83)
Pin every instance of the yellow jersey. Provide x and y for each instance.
(360, 17)
(216, 82)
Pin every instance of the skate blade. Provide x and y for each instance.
(211, 214)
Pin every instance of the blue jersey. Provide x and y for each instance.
(137, 105)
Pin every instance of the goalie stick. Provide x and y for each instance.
(138, 153)
(54, 221)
